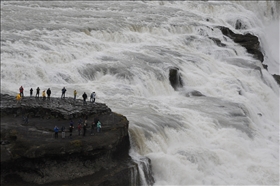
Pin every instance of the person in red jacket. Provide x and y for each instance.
(21, 91)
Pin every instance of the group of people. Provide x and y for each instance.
(81, 126)
(48, 93)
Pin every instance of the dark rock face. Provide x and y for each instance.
(277, 78)
(217, 41)
(30, 155)
(175, 78)
(239, 25)
(249, 41)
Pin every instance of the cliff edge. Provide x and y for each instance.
(30, 155)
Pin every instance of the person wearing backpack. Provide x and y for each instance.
(92, 97)
(63, 92)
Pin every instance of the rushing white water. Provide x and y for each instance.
(124, 50)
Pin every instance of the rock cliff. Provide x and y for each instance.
(30, 155)
(248, 41)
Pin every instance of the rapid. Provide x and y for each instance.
(123, 51)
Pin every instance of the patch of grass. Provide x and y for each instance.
(76, 143)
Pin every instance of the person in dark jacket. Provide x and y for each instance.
(92, 128)
(63, 92)
(31, 92)
(85, 97)
(49, 93)
(37, 92)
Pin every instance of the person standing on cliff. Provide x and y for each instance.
(63, 132)
(75, 95)
(85, 122)
(71, 127)
(79, 128)
(49, 93)
(21, 91)
(92, 97)
(18, 98)
(56, 129)
(92, 128)
(31, 92)
(84, 129)
(37, 92)
(63, 92)
(98, 126)
(85, 97)
(44, 95)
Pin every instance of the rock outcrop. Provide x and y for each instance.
(277, 78)
(249, 41)
(175, 78)
(30, 155)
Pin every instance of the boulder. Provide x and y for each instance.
(175, 78)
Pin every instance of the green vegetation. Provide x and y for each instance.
(76, 143)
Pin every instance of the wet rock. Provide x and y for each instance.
(217, 41)
(194, 93)
(175, 78)
(277, 78)
(248, 40)
(239, 25)
(265, 66)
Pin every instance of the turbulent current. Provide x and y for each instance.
(124, 50)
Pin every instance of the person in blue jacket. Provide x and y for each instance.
(56, 129)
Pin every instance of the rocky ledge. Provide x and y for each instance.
(30, 155)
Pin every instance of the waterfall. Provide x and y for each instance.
(219, 125)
